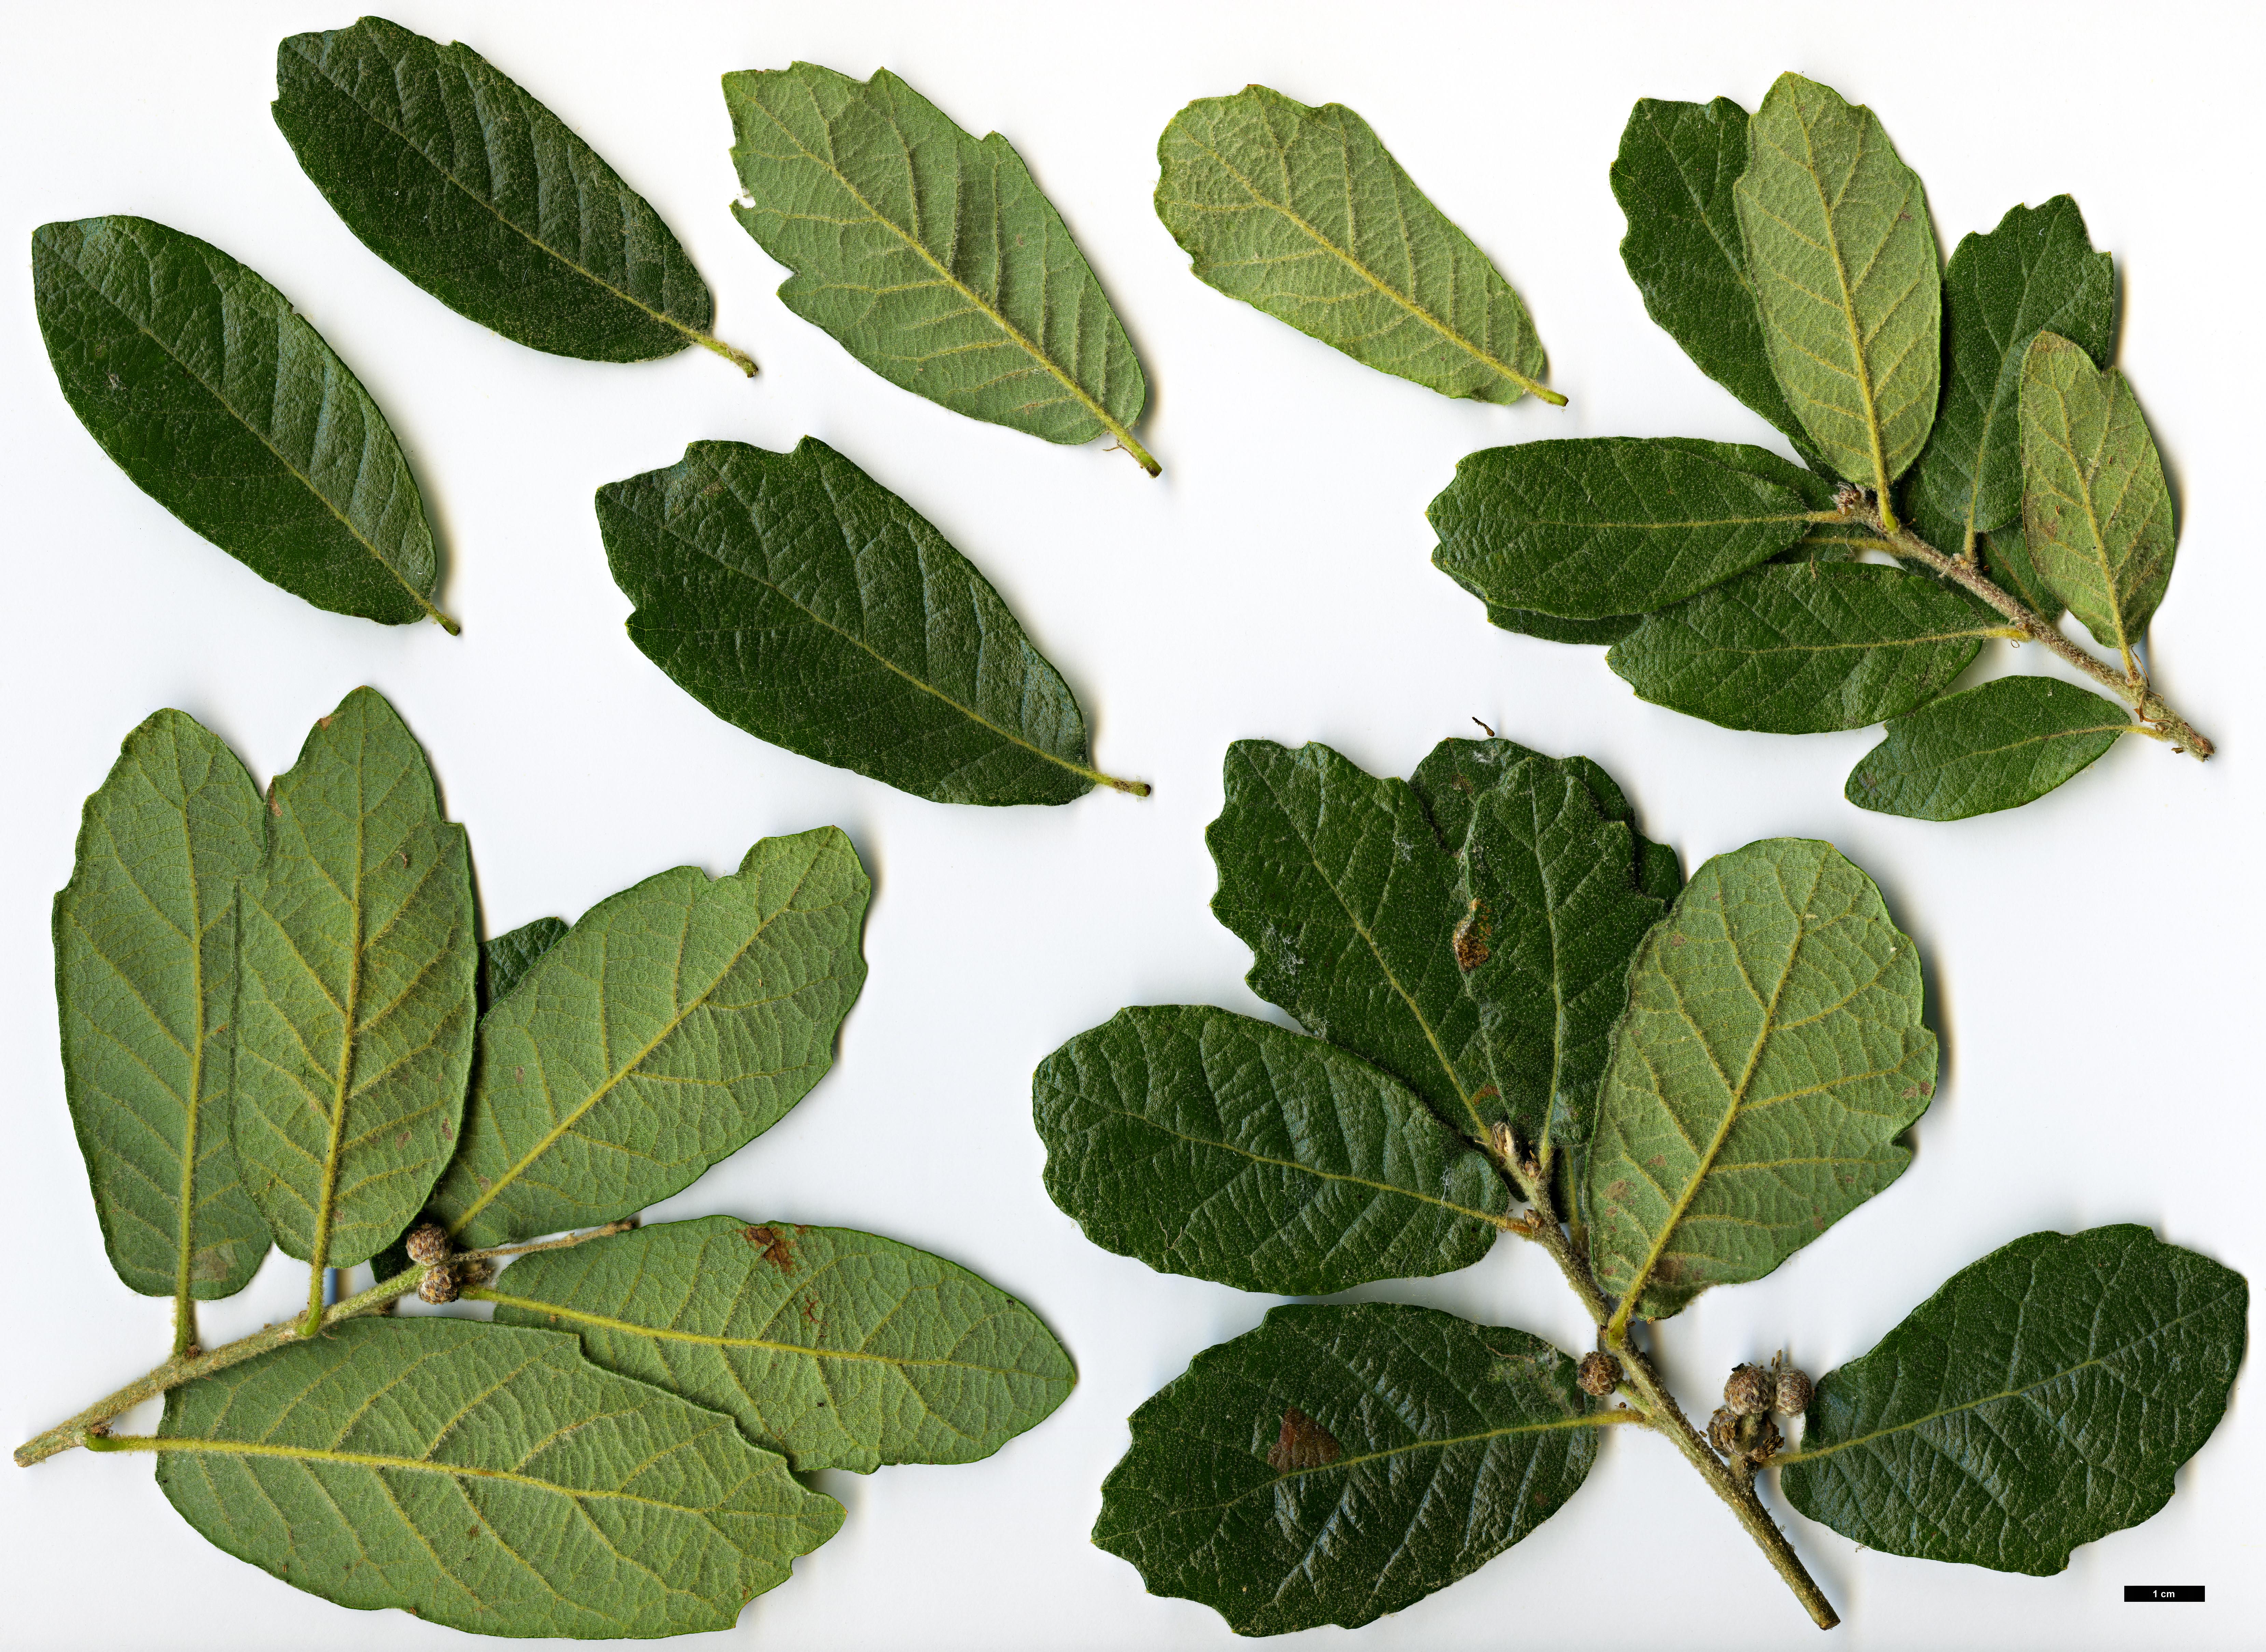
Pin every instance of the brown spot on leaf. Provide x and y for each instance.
(810, 1310)
(448, 1132)
(777, 1248)
(1303, 1443)
(1485, 1093)
(402, 1140)
(1471, 938)
(1618, 1194)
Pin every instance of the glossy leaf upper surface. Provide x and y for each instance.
(451, 173)
(489, 1479)
(1301, 212)
(676, 1021)
(145, 982)
(1803, 648)
(1209, 1144)
(2044, 1397)
(929, 255)
(225, 406)
(1845, 271)
(504, 958)
(1343, 1461)
(2000, 745)
(1771, 1053)
(841, 1349)
(801, 600)
(355, 1004)
(1594, 527)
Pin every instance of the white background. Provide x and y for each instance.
(2093, 959)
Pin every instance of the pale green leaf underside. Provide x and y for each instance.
(842, 1349)
(675, 1023)
(225, 406)
(1340, 1462)
(2000, 745)
(355, 999)
(930, 256)
(2045, 1397)
(489, 1479)
(1845, 271)
(799, 599)
(1209, 1144)
(145, 982)
(1771, 1053)
(2096, 513)
(1301, 212)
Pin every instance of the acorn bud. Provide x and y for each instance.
(1723, 1431)
(1749, 1392)
(1793, 1391)
(438, 1286)
(1763, 1444)
(428, 1243)
(1598, 1374)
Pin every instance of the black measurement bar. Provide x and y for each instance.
(2163, 1592)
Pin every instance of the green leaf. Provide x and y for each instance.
(2096, 514)
(209, 390)
(1551, 916)
(2044, 1398)
(2006, 558)
(506, 958)
(488, 1479)
(1999, 746)
(145, 982)
(676, 1022)
(1550, 628)
(1343, 1461)
(1770, 1053)
(355, 959)
(841, 1349)
(799, 599)
(1843, 265)
(1212, 1145)
(2035, 273)
(449, 172)
(931, 257)
(1673, 178)
(1302, 213)
(1597, 527)
(1800, 650)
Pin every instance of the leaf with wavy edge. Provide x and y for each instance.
(1208, 1144)
(2045, 1397)
(1843, 267)
(355, 1003)
(1771, 1053)
(2001, 745)
(486, 1478)
(931, 257)
(676, 1022)
(1343, 1461)
(145, 983)
(842, 1349)
(1301, 212)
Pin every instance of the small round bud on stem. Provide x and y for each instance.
(427, 1244)
(1748, 1392)
(1762, 1444)
(438, 1286)
(1598, 1374)
(1794, 1393)
(1723, 1431)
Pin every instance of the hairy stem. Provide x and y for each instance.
(185, 1324)
(2128, 685)
(187, 1366)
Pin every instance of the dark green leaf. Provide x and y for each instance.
(488, 1479)
(1771, 1053)
(222, 405)
(1301, 212)
(449, 172)
(2096, 513)
(931, 257)
(506, 958)
(2045, 1397)
(842, 1349)
(1595, 527)
(799, 599)
(1344, 1461)
(1800, 650)
(145, 982)
(1845, 271)
(1673, 179)
(2006, 558)
(355, 1004)
(1550, 628)
(1999, 746)
(676, 1022)
(1209, 1144)
(2037, 272)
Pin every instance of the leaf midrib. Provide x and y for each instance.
(1864, 373)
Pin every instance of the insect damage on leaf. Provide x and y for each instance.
(1303, 1443)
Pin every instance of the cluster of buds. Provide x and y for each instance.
(428, 1244)
(1742, 1429)
(1598, 1374)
